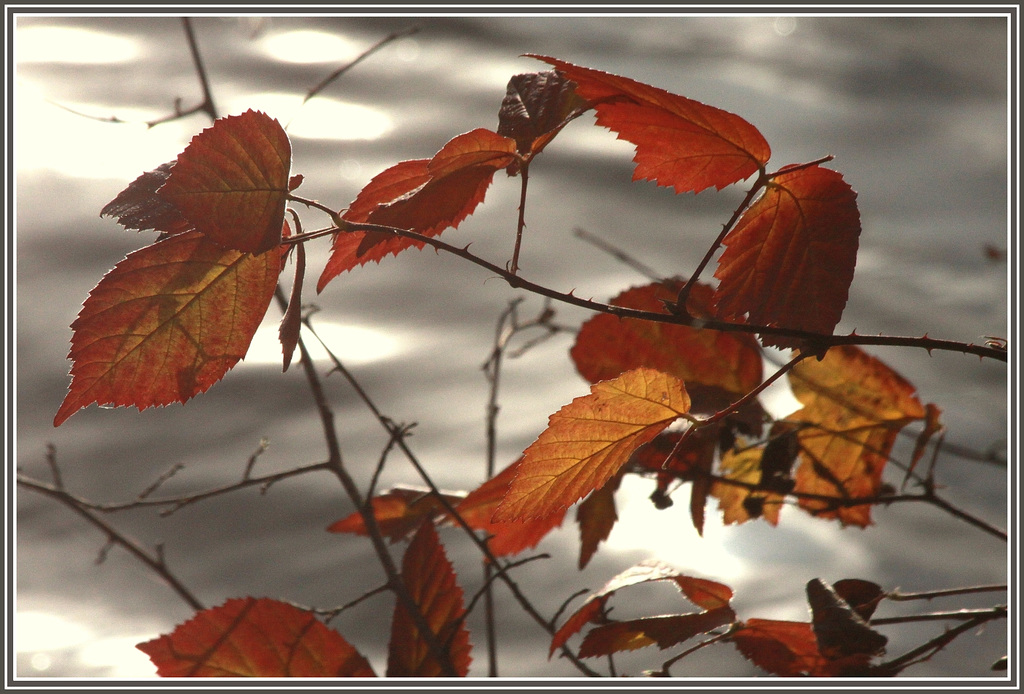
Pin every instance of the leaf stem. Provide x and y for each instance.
(684, 291)
(524, 171)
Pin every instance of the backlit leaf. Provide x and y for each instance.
(590, 439)
(710, 595)
(717, 367)
(430, 580)
(421, 195)
(139, 207)
(255, 638)
(854, 407)
(664, 631)
(596, 517)
(740, 503)
(787, 649)
(398, 513)
(790, 258)
(166, 323)
(508, 538)
(231, 182)
(679, 142)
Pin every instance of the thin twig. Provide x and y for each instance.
(154, 562)
(618, 254)
(335, 465)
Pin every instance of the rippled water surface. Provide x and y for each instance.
(913, 109)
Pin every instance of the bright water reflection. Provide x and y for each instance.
(320, 118)
(62, 44)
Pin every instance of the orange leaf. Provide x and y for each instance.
(398, 513)
(504, 539)
(789, 260)
(704, 593)
(231, 182)
(665, 631)
(679, 142)
(425, 196)
(430, 580)
(590, 439)
(255, 638)
(167, 323)
(716, 367)
(596, 517)
(854, 407)
(739, 503)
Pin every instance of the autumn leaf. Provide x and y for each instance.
(398, 513)
(854, 408)
(839, 630)
(509, 538)
(679, 142)
(783, 648)
(664, 631)
(232, 181)
(590, 439)
(741, 503)
(789, 260)
(536, 107)
(421, 195)
(709, 595)
(139, 207)
(166, 323)
(430, 580)
(596, 517)
(717, 367)
(255, 638)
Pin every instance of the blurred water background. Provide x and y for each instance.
(913, 108)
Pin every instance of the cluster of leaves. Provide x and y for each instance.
(671, 398)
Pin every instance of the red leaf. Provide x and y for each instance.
(717, 367)
(862, 596)
(790, 258)
(425, 196)
(139, 207)
(509, 538)
(255, 638)
(167, 323)
(430, 580)
(398, 513)
(787, 649)
(596, 517)
(665, 631)
(707, 594)
(590, 439)
(232, 181)
(679, 142)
